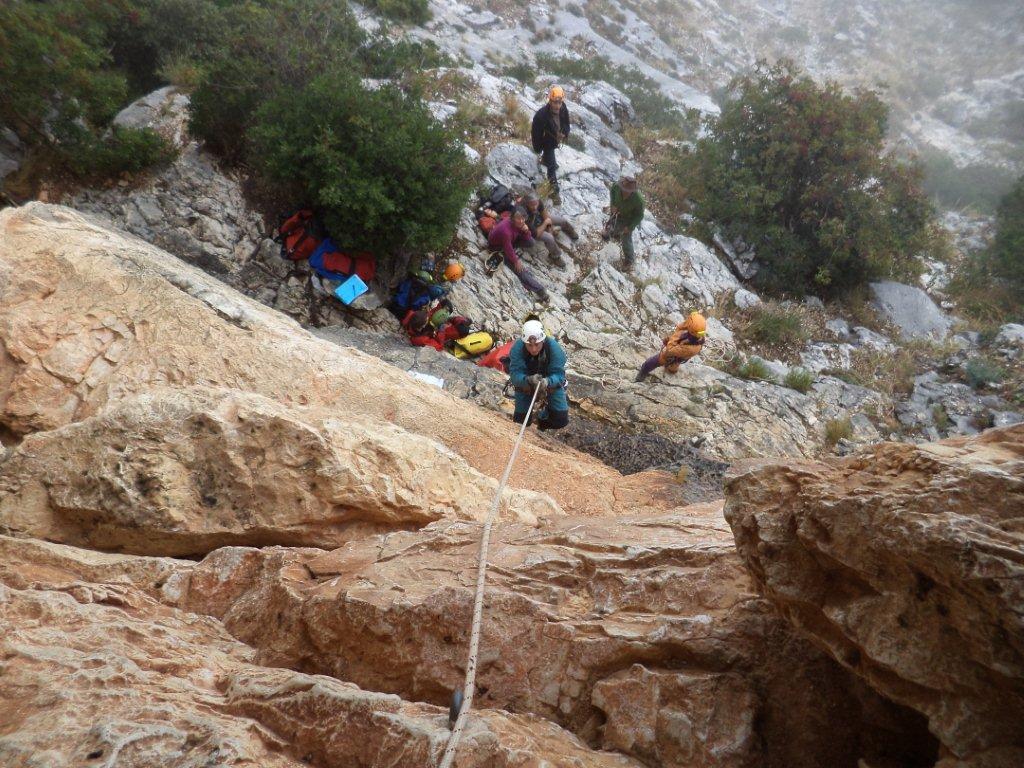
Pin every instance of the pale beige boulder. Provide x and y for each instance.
(639, 634)
(183, 471)
(89, 316)
(95, 672)
(906, 563)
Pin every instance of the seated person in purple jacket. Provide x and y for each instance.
(508, 233)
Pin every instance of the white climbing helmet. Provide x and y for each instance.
(533, 331)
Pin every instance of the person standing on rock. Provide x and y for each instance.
(542, 222)
(679, 346)
(506, 234)
(537, 360)
(625, 215)
(550, 128)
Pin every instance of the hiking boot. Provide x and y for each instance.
(640, 376)
(493, 263)
(543, 297)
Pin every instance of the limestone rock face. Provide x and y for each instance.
(151, 321)
(911, 310)
(905, 563)
(637, 634)
(179, 472)
(165, 111)
(95, 671)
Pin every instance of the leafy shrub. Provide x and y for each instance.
(414, 11)
(254, 60)
(384, 58)
(521, 71)
(385, 175)
(799, 379)
(838, 429)
(775, 325)
(124, 150)
(982, 372)
(754, 369)
(989, 284)
(797, 171)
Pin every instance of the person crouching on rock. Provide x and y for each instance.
(504, 237)
(542, 222)
(537, 360)
(679, 346)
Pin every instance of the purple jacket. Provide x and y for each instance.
(505, 236)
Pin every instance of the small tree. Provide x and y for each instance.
(1006, 255)
(383, 172)
(266, 47)
(797, 171)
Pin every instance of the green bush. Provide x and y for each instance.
(754, 369)
(124, 150)
(255, 59)
(977, 185)
(384, 173)
(61, 87)
(776, 325)
(989, 284)
(982, 372)
(799, 379)
(797, 171)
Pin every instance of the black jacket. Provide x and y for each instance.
(542, 135)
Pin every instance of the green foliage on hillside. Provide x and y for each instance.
(275, 85)
(796, 169)
(989, 284)
(382, 170)
(62, 86)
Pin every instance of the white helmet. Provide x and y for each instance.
(533, 331)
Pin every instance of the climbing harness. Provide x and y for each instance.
(463, 700)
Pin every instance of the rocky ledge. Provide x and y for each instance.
(905, 563)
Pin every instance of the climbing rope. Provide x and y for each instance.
(478, 605)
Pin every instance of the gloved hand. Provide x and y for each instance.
(536, 380)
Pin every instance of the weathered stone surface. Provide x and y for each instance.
(905, 563)
(97, 672)
(164, 110)
(150, 320)
(180, 472)
(911, 310)
(637, 634)
(1009, 342)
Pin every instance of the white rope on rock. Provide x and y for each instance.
(478, 605)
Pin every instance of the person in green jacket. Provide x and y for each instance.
(627, 211)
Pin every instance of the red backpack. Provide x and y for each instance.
(299, 235)
(357, 263)
(487, 223)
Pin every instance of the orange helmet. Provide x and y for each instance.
(556, 92)
(697, 324)
(454, 271)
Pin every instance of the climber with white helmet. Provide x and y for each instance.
(537, 360)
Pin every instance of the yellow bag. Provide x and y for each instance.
(473, 345)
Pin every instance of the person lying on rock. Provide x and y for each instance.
(508, 233)
(537, 360)
(542, 222)
(683, 343)
(549, 129)
(625, 215)
(421, 288)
